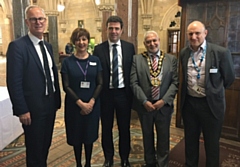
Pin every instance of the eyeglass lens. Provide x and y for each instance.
(40, 19)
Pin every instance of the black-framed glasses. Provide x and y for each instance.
(34, 19)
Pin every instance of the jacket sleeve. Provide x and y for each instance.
(15, 70)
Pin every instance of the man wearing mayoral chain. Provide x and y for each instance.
(154, 82)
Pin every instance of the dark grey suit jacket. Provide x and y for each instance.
(141, 82)
(215, 83)
(25, 77)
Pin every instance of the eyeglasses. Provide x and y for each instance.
(34, 19)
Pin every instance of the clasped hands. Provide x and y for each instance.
(156, 106)
(86, 107)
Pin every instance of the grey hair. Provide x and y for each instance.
(31, 7)
(150, 32)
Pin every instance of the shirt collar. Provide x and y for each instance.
(34, 39)
(157, 54)
(111, 43)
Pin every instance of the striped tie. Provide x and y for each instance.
(155, 90)
(115, 67)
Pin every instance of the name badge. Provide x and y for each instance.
(92, 63)
(84, 84)
(213, 70)
(195, 87)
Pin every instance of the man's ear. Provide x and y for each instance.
(206, 31)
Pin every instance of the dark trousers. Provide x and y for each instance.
(197, 118)
(38, 135)
(162, 124)
(111, 101)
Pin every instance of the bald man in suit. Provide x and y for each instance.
(207, 70)
(154, 82)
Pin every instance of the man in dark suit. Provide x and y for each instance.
(154, 82)
(33, 86)
(207, 69)
(116, 94)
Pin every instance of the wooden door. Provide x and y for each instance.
(222, 20)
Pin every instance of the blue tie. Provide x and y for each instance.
(115, 67)
(46, 69)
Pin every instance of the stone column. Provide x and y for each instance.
(147, 13)
(128, 11)
(52, 13)
(53, 33)
(19, 26)
(107, 10)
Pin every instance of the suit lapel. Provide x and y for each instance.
(208, 62)
(145, 67)
(185, 61)
(124, 53)
(164, 66)
(106, 53)
(33, 53)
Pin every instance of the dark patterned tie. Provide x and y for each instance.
(46, 69)
(155, 90)
(115, 67)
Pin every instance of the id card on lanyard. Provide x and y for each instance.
(85, 83)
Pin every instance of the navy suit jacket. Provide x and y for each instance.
(25, 77)
(215, 83)
(102, 51)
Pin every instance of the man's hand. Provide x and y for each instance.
(159, 104)
(149, 106)
(25, 118)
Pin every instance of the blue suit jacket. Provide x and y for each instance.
(215, 83)
(25, 77)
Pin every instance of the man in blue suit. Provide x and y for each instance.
(33, 86)
(207, 69)
(115, 97)
(154, 82)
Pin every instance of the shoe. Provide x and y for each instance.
(150, 165)
(108, 163)
(125, 163)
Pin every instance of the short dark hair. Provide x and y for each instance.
(77, 33)
(116, 19)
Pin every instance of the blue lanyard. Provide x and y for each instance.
(84, 72)
(198, 67)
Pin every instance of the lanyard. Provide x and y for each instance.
(198, 67)
(84, 72)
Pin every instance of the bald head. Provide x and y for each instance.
(196, 34)
(196, 24)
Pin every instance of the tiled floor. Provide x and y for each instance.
(61, 153)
